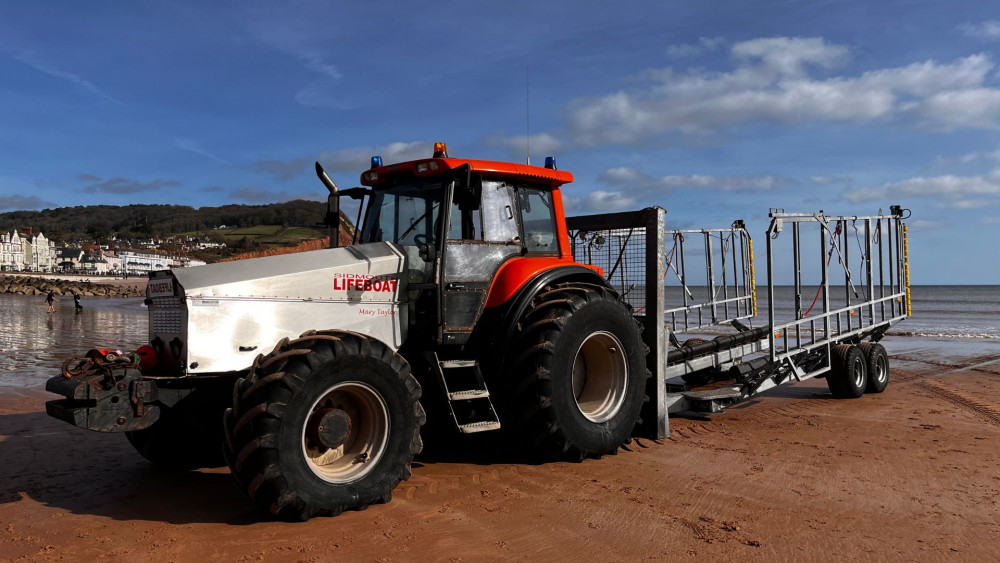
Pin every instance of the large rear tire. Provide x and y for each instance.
(878, 366)
(324, 423)
(579, 373)
(849, 374)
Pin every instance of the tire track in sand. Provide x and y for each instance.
(977, 365)
(986, 411)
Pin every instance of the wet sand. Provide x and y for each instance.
(911, 474)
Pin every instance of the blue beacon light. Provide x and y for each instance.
(550, 162)
(376, 161)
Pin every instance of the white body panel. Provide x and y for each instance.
(236, 310)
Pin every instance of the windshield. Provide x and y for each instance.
(407, 215)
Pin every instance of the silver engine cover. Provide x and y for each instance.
(233, 311)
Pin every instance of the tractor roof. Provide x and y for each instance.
(389, 175)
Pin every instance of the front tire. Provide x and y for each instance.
(325, 423)
(579, 372)
(187, 435)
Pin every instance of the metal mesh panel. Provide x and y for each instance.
(621, 253)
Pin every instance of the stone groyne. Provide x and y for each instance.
(102, 287)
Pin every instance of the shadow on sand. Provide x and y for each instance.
(85, 472)
(89, 473)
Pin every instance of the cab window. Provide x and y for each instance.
(466, 224)
(538, 220)
(498, 212)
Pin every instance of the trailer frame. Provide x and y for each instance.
(760, 359)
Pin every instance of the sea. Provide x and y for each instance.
(956, 320)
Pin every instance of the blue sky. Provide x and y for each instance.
(713, 110)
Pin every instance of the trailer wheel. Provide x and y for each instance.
(878, 366)
(186, 436)
(579, 373)
(849, 376)
(325, 423)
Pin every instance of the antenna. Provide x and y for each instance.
(527, 113)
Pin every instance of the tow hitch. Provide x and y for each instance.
(104, 392)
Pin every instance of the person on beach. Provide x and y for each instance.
(51, 300)
(76, 302)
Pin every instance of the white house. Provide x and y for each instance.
(93, 264)
(42, 254)
(12, 253)
(68, 258)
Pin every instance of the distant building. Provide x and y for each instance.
(114, 262)
(184, 262)
(68, 258)
(12, 253)
(26, 251)
(142, 263)
(43, 254)
(94, 264)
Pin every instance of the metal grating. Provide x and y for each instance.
(621, 253)
(167, 315)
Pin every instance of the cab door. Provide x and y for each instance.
(482, 234)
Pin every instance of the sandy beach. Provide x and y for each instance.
(910, 474)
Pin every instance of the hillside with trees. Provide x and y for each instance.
(101, 222)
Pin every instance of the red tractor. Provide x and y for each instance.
(461, 281)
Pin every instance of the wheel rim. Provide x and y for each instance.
(354, 448)
(859, 371)
(600, 374)
(881, 369)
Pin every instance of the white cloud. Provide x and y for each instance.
(975, 108)
(789, 55)
(298, 39)
(638, 186)
(704, 44)
(34, 61)
(194, 146)
(822, 180)
(540, 144)
(963, 204)
(601, 200)
(952, 186)
(303, 39)
(924, 225)
(632, 178)
(771, 83)
(351, 160)
(991, 220)
(988, 30)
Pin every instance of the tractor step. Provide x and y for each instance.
(469, 394)
(714, 394)
(484, 426)
(468, 398)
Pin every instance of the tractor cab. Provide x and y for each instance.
(462, 224)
